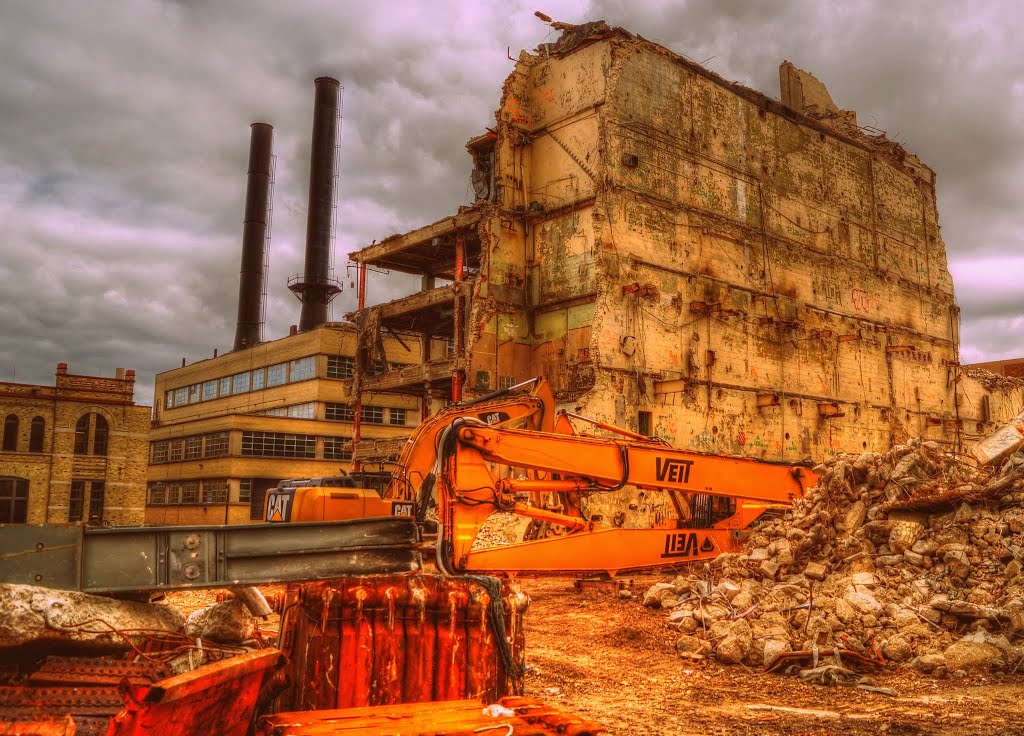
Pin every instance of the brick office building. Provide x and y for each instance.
(73, 451)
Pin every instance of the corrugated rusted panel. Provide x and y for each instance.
(218, 698)
(450, 718)
(401, 639)
(69, 695)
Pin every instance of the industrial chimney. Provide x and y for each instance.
(254, 236)
(315, 288)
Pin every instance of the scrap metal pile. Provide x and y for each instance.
(913, 557)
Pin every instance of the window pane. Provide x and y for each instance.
(193, 393)
(99, 446)
(210, 390)
(157, 494)
(173, 493)
(337, 448)
(158, 452)
(176, 450)
(397, 416)
(257, 379)
(301, 411)
(340, 366)
(217, 445)
(338, 413)
(278, 444)
(190, 491)
(76, 501)
(302, 369)
(276, 374)
(11, 433)
(181, 396)
(225, 386)
(82, 435)
(240, 383)
(168, 399)
(193, 447)
(35, 440)
(373, 414)
(215, 491)
(13, 500)
(96, 501)
(245, 489)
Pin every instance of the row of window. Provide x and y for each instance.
(295, 411)
(85, 501)
(86, 494)
(298, 446)
(342, 413)
(204, 492)
(371, 414)
(258, 379)
(196, 447)
(35, 439)
(188, 492)
(344, 366)
(92, 434)
(254, 444)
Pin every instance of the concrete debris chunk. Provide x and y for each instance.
(227, 623)
(914, 556)
(77, 624)
(1002, 443)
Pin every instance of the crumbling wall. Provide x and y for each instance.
(789, 278)
(762, 278)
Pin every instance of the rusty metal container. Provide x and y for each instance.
(359, 643)
(384, 640)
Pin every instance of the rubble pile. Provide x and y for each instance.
(913, 557)
(994, 381)
(35, 619)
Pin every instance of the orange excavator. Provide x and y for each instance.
(716, 498)
(510, 451)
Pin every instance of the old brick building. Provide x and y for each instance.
(73, 451)
(693, 259)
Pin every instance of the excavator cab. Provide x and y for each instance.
(336, 498)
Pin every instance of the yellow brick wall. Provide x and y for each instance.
(50, 473)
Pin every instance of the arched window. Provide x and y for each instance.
(92, 426)
(35, 439)
(82, 435)
(11, 433)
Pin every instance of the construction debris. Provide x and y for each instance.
(68, 622)
(994, 381)
(912, 557)
(1002, 443)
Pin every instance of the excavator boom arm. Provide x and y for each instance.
(535, 408)
(472, 485)
(613, 463)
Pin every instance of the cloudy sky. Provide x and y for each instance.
(124, 141)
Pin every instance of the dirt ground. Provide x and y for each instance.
(613, 660)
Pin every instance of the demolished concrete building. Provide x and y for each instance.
(687, 257)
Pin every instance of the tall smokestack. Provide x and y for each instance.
(315, 288)
(254, 236)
